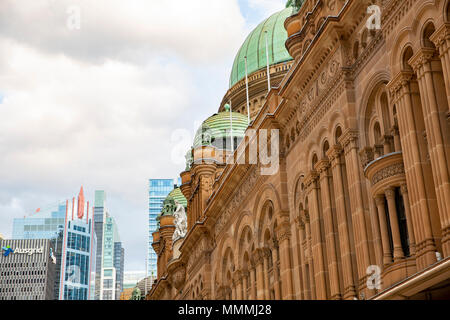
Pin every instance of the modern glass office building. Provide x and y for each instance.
(110, 252)
(158, 191)
(27, 269)
(68, 225)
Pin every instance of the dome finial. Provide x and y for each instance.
(227, 107)
(296, 4)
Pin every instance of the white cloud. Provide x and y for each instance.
(97, 106)
(200, 31)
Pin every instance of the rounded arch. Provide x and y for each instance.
(406, 54)
(325, 148)
(336, 119)
(337, 134)
(297, 188)
(427, 30)
(403, 39)
(267, 192)
(244, 220)
(377, 79)
(265, 220)
(227, 266)
(446, 14)
(314, 160)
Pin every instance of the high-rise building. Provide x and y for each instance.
(110, 252)
(158, 191)
(99, 220)
(68, 225)
(27, 269)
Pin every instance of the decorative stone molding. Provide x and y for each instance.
(390, 193)
(392, 170)
(404, 189)
(379, 200)
(283, 232)
(322, 167)
(258, 256)
(310, 179)
(385, 172)
(366, 156)
(423, 56)
(441, 36)
(196, 255)
(401, 80)
(334, 154)
(349, 140)
(239, 196)
(178, 277)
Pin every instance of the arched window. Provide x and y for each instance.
(447, 12)
(326, 147)
(314, 161)
(427, 32)
(337, 135)
(377, 133)
(407, 54)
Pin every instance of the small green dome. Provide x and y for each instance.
(254, 46)
(169, 204)
(217, 128)
(178, 196)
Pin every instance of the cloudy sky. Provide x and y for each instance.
(112, 103)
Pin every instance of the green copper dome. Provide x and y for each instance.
(215, 131)
(254, 46)
(169, 204)
(178, 196)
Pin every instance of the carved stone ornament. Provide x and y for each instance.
(179, 277)
(387, 172)
(180, 222)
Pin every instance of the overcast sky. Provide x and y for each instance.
(104, 106)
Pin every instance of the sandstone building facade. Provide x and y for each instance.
(363, 186)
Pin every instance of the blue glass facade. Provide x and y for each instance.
(158, 191)
(76, 245)
(42, 225)
(80, 244)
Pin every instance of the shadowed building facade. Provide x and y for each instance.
(360, 205)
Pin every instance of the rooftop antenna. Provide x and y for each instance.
(268, 66)
(246, 90)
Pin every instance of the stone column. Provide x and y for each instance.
(283, 233)
(387, 141)
(276, 274)
(437, 135)
(245, 285)
(301, 221)
(349, 141)
(253, 295)
(258, 257)
(238, 284)
(266, 253)
(393, 219)
(441, 38)
(411, 236)
(310, 263)
(397, 142)
(322, 167)
(387, 255)
(334, 154)
(320, 273)
(404, 94)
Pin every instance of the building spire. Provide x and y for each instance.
(81, 203)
